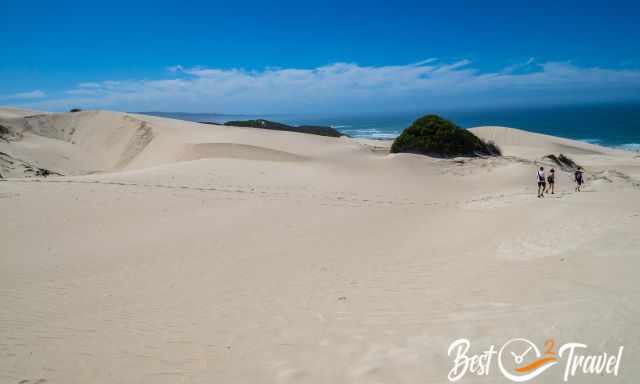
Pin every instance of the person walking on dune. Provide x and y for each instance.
(579, 178)
(542, 183)
(551, 179)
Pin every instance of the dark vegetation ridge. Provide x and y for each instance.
(266, 124)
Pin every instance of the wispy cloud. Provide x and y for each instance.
(348, 87)
(35, 94)
(175, 68)
(519, 66)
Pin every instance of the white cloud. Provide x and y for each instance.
(175, 68)
(89, 85)
(35, 94)
(347, 87)
(518, 66)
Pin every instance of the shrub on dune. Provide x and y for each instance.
(434, 136)
(565, 163)
(6, 134)
(493, 148)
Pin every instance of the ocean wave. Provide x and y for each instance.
(635, 147)
(364, 130)
(384, 135)
(340, 126)
(592, 141)
(371, 133)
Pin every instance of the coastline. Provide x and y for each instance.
(579, 122)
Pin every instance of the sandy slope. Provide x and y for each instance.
(178, 252)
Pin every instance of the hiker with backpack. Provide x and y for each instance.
(551, 179)
(542, 182)
(578, 177)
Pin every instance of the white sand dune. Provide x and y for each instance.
(516, 140)
(172, 251)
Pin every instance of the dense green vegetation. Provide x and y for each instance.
(266, 124)
(434, 136)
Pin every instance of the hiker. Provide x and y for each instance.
(542, 183)
(551, 179)
(578, 178)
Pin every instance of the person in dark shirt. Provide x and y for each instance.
(551, 179)
(578, 178)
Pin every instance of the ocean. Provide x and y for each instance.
(613, 125)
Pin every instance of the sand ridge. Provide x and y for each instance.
(172, 251)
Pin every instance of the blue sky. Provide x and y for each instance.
(296, 56)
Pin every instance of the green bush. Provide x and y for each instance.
(434, 136)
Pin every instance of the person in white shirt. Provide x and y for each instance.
(542, 182)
